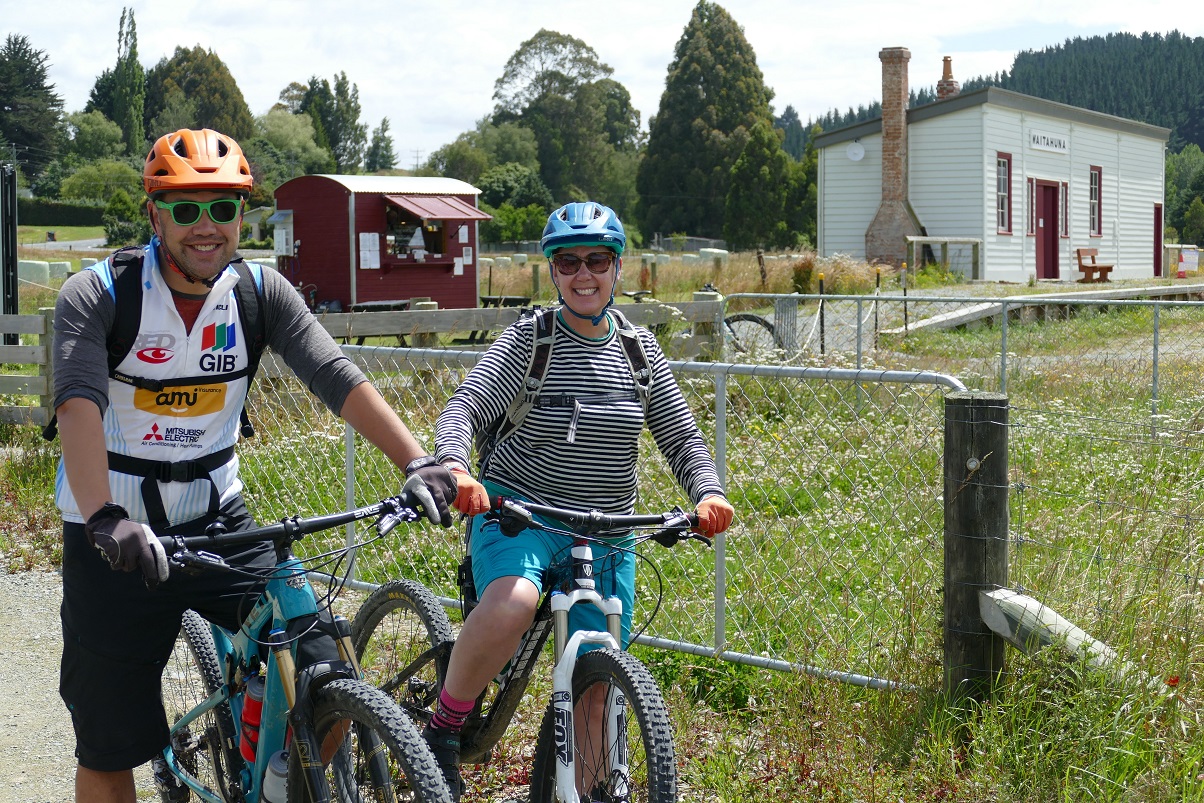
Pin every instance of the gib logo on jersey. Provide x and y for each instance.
(182, 402)
(217, 338)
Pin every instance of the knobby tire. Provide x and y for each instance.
(382, 757)
(653, 768)
(399, 622)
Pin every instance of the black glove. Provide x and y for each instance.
(127, 545)
(432, 486)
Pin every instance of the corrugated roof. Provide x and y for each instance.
(405, 185)
(437, 207)
(998, 97)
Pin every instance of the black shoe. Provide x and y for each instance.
(445, 745)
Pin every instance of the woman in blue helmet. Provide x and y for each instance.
(579, 452)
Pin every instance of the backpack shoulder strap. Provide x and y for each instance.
(126, 266)
(537, 371)
(637, 358)
(123, 280)
(249, 291)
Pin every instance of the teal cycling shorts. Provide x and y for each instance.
(542, 558)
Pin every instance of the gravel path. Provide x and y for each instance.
(37, 764)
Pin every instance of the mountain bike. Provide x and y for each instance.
(743, 332)
(403, 639)
(322, 733)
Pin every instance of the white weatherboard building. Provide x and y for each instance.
(1029, 179)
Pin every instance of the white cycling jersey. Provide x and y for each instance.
(176, 423)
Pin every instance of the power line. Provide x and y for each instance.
(417, 157)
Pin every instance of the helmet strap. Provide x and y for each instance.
(180, 269)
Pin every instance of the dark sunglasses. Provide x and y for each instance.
(187, 213)
(596, 263)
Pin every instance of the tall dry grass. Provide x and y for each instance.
(742, 273)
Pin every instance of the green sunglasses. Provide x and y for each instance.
(187, 213)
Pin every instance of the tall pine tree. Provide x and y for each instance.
(129, 85)
(714, 95)
(380, 154)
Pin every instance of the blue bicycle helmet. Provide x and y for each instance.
(586, 223)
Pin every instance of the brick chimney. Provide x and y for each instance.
(947, 87)
(895, 219)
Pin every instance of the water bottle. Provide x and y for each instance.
(275, 787)
(252, 709)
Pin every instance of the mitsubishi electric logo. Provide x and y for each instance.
(153, 435)
(218, 337)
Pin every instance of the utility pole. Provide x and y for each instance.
(417, 158)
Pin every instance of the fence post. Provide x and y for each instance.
(46, 369)
(976, 536)
(537, 267)
(713, 346)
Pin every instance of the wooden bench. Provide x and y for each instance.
(1092, 270)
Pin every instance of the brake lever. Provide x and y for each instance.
(199, 560)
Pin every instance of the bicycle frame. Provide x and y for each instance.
(286, 597)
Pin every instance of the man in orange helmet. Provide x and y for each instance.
(121, 482)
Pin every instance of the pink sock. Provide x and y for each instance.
(451, 713)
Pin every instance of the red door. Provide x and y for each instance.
(1047, 230)
(1158, 233)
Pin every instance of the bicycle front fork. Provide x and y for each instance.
(566, 647)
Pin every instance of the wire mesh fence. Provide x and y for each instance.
(833, 563)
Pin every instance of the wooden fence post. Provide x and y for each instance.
(712, 347)
(46, 369)
(976, 536)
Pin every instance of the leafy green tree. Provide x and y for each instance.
(99, 181)
(337, 120)
(461, 159)
(293, 137)
(292, 97)
(129, 81)
(515, 184)
(1193, 223)
(714, 95)
(199, 74)
(755, 210)
(511, 224)
(556, 87)
(380, 154)
(794, 135)
(508, 142)
(93, 136)
(30, 110)
(548, 63)
(802, 199)
(178, 112)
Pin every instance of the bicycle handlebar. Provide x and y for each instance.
(185, 550)
(516, 515)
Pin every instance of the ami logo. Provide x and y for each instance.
(217, 338)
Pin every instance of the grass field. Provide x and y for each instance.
(825, 490)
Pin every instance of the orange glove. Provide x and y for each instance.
(471, 497)
(714, 515)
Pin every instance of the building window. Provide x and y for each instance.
(1003, 193)
(1064, 198)
(1095, 203)
(1032, 206)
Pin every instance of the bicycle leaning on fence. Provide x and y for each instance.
(743, 332)
(403, 639)
(236, 700)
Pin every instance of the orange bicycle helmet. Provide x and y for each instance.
(196, 160)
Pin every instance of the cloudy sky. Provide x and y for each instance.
(430, 67)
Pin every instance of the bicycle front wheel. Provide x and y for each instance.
(749, 333)
(370, 750)
(624, 754)
(394, 627)
(208, 747)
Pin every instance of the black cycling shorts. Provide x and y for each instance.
(118, 636)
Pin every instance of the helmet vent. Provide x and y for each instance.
(222, 148)
(180, 148)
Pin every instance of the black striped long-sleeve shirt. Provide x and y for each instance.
(593, 466)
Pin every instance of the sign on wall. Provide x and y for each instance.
(1046, 141)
